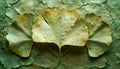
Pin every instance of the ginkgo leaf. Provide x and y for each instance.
(99, 35)
(79, 57)
(19, 35)
(72, 57)
(11, 60)
(45, 55)
(60, 26)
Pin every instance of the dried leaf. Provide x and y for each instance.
(106, 9)
(45, 55)
(19, 35)
(11, 60)
(78, 58)
(99, 35)
(60, 26)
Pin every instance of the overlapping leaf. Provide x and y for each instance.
(99, 35)
(19, 35)
(21, 7)
(62, 27)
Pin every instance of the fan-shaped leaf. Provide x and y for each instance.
(19, 35)
(99, 35)
(60, 26)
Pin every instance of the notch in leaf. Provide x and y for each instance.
(60, 26)
(19, 35)
(99, 35)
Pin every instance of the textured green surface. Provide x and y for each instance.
(47, 58)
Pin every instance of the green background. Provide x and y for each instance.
(47, 58)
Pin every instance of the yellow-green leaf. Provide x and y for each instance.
(19, 35)
(99, 35)
(60, 26)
